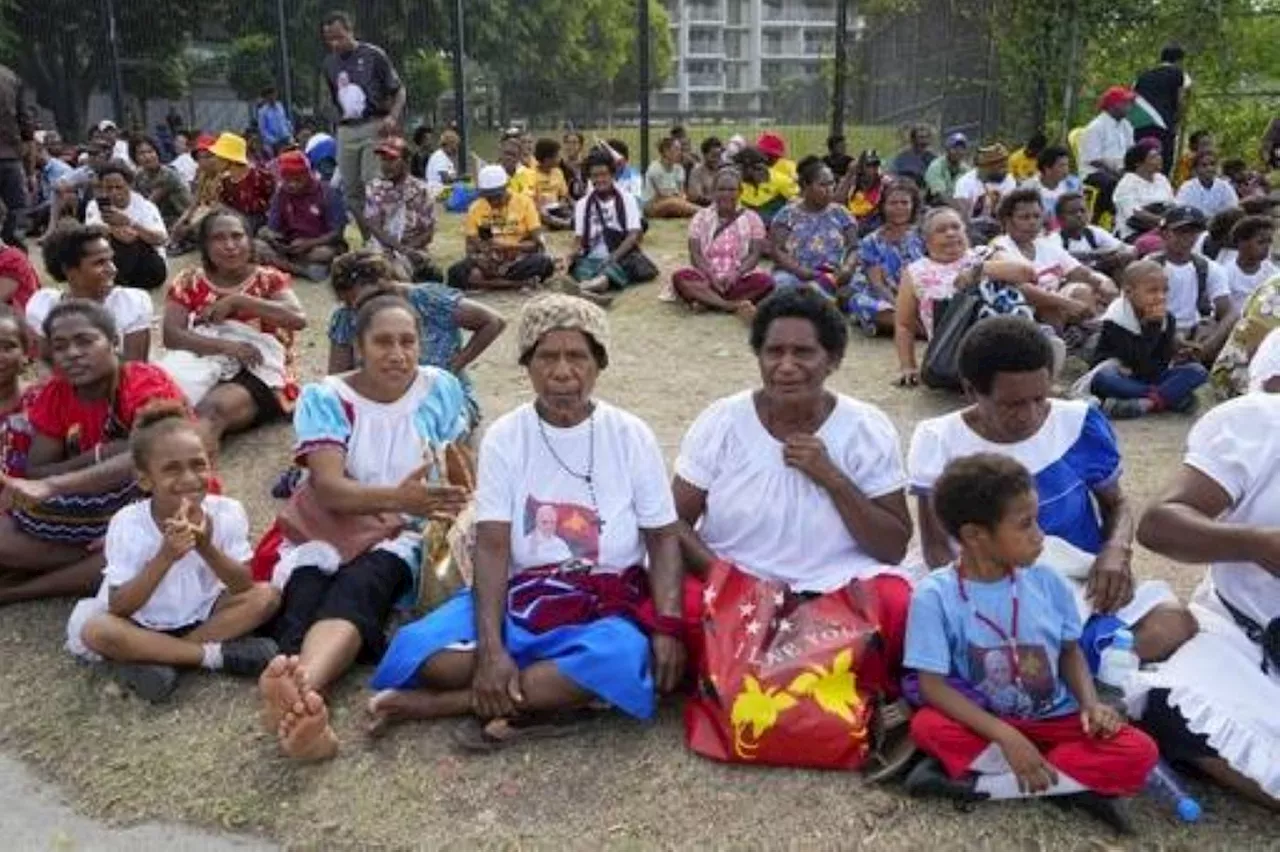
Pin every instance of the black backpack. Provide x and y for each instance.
(1089, 237)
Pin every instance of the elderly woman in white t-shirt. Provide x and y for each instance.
(1213, 703)
(537, 639)
(1141, 186)
(793, 483)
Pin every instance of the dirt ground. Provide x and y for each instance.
(202, 760)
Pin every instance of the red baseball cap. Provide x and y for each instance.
(205, 141)
(293, 164)
(772, 145)
(1116, 96)
(391, 147)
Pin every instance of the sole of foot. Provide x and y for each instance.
(149, 682)
(281, 693)
(307, 736)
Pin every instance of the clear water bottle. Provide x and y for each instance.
(1119, 661)
(1165, 785)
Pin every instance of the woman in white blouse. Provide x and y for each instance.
(793, 483)
(1213, 703)
(1142, 185)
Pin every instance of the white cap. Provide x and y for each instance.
(105, 125)
(491, 179)
(1266, 362)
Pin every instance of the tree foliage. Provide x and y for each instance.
(251, 65)
(428, 75)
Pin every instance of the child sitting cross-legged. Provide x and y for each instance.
(176, 590)
(1009, 705)
(1141, 365)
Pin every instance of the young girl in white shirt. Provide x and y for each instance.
(176, 589)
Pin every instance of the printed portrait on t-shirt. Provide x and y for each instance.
(1027, 691)
(559, 532)
(350, 96)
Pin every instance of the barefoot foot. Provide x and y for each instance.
(396, 705)
(280, 693)
(307, 735)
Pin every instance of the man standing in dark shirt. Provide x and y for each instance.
(369, 99)
(1164, 88)
(15, 132)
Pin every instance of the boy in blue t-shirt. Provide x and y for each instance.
(1025, 719)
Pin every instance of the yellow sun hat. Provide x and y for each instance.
(232, 148)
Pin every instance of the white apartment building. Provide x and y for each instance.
(729, 51)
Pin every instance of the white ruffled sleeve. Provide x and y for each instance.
(320, 420)
(1227, 442)
(231, 529)
(126, 547)
(872, 457)
(925, 457)
(702, 450)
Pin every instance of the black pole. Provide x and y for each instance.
(642, 55)
(113, 44)
(838, 82)
(286, 75)
(460, 89)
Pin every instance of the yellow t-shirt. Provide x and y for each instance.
(511, 223)
(524, 181)
(551, 187)
(782, 175)
(1021, 166)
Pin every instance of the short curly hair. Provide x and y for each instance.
(807, 304)
(1002, 345)
(977, 490)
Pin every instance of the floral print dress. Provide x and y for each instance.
(1260, 315)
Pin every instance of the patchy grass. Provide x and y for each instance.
(201, 759)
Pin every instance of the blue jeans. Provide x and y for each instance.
(1176, 384)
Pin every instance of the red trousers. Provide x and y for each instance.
(1113, 767)
(751, 287)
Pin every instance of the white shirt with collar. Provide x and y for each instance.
(1209, 200)
(1104, 139)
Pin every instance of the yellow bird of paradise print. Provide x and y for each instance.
(835, 690)
(756, 708)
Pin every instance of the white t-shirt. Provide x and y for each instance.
(1104, 139)
(1052, 261)
(983, 197)
(1241, 284)
(521, 482)
(189, 590)
(772, 520)
(608, 209)
(1102, 241)
(141, 210)
(1049, 197)
(1220, 195)
(130, 307)
(1237, 445)
(185, 166)
(1133, 193)
(1184, 290)
(439, 164)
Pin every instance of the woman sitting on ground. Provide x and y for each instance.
(861, 190)
(157, 182)
(81, 256)
(78, 470)
(726, 243)
(572, 492)
(762, 191)
(1141, 186)
(1213, 703)
(882, 255)
(796, 484)
(814, 240)
(244, 318)
(135, 228)
(1074, 457)
(363, 437)
(443, 315)
(949, 265)
(664, 183)
(1065, 292)
(608, 228)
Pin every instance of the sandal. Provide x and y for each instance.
(893, 750)
(480, 737)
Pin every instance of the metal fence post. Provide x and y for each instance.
(460, 88)
(642, 56)
(838, 82)
(113, 43)
(286, 67)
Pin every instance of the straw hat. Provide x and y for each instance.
(232, 148)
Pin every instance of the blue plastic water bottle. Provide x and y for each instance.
(1164, 784)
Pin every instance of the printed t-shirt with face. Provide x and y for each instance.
(80, 425)
(796, 535)
(141, 210)
(1052, 262)
(513, 222)
(186, 595)
(945, 636)
(1237, 445)
(361, 82)
(1073, 455)
(603, 213)
(553, 515)
(130, 307)
(1184, 290)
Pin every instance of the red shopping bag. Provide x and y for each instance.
(780, 678)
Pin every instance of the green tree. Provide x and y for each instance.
(428, 75)
(251, 65)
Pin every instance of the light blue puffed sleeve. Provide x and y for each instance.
(319, 420)
(443, 415)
